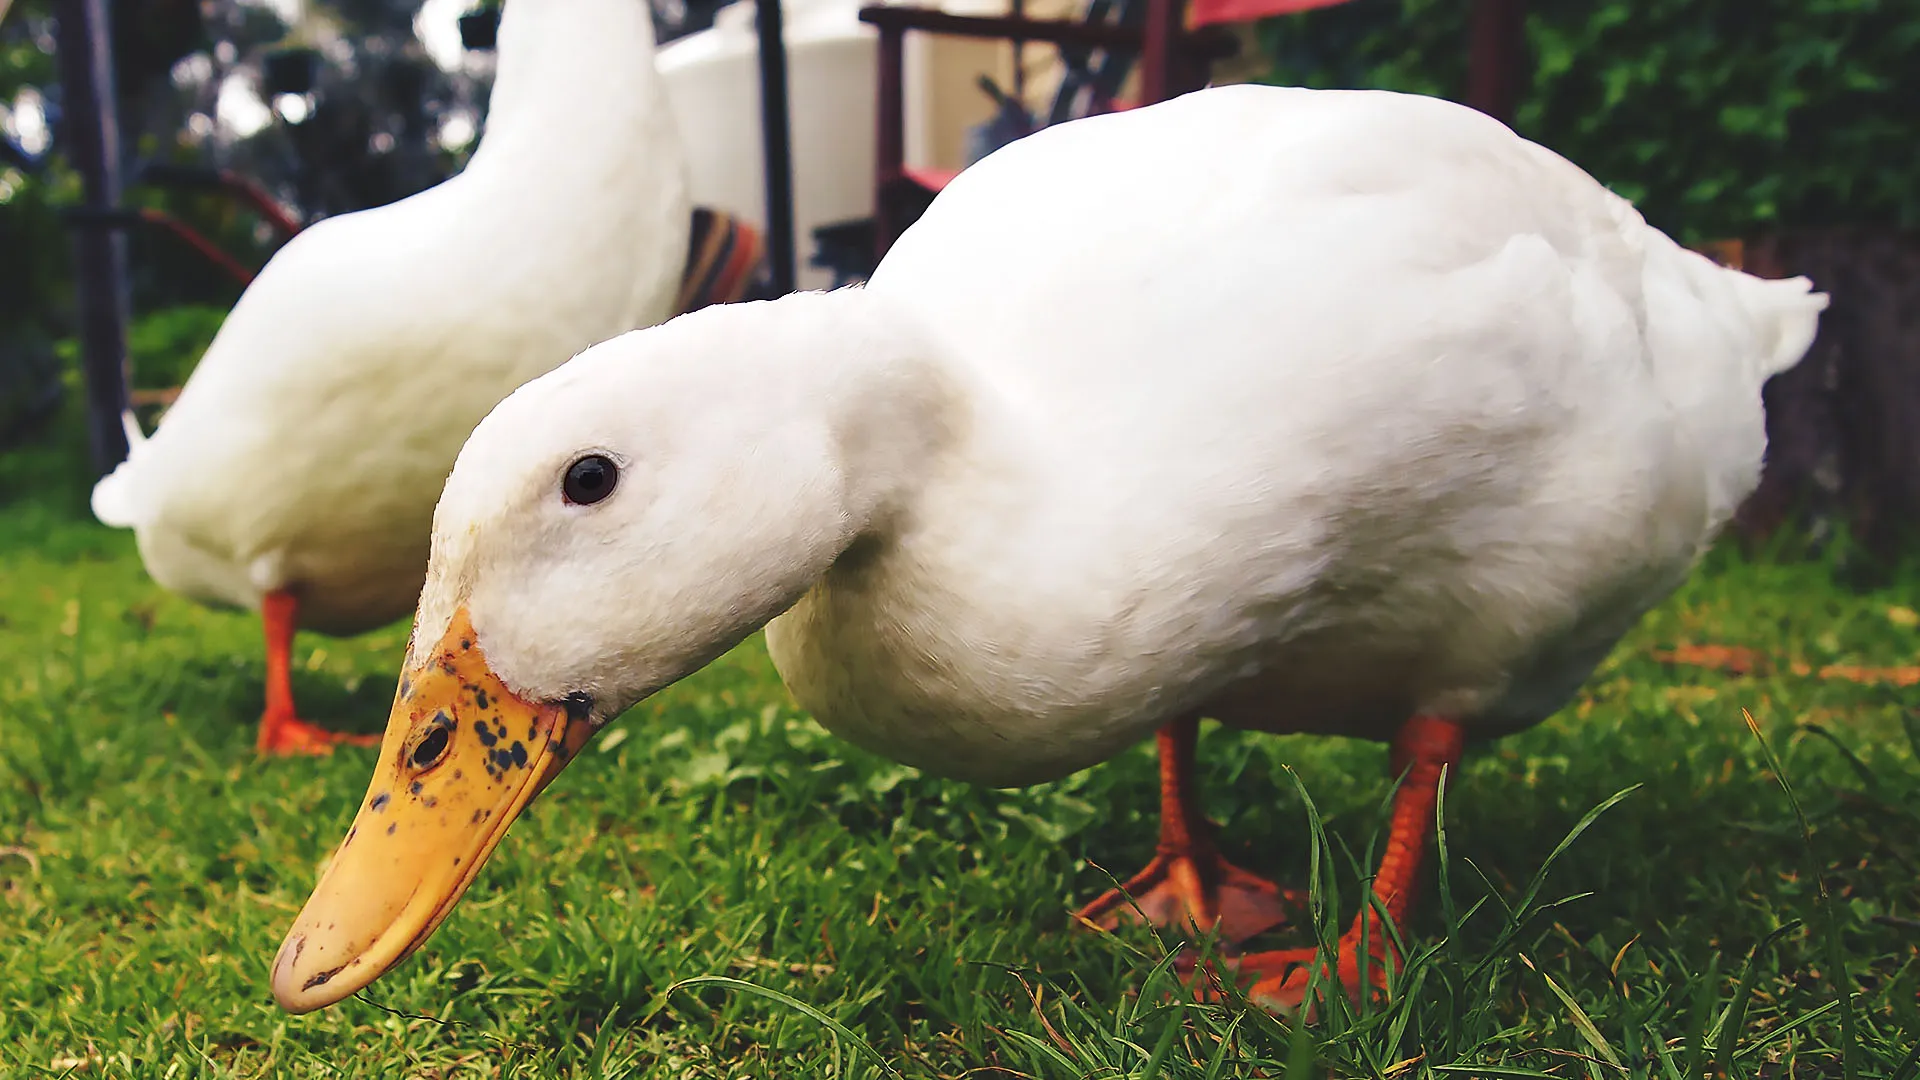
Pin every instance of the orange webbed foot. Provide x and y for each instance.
(1196, 889)
(288, 736)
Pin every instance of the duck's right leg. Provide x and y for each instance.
(281, 729)
(1189, 882)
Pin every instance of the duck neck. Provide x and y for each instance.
(574, 77)
(835, 411)
(813, 423)
(893, 408)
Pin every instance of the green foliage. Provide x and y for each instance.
(25, 58)
(369, 139)
(1719, 118)
(164, 347)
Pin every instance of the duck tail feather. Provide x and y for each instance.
(114, 501)
(1790, 311)
(130, 424)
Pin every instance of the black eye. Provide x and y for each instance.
(430, 748)
(590, 479)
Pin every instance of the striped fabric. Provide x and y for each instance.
(724, 257)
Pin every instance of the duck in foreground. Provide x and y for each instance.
(297, 472)
(1347, 413)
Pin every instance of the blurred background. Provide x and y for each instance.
(1783, 127)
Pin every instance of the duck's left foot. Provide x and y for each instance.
(290, 735)
(1189, 885)
(1425, 748)
(1282, 976)
(1195, 889)
(281, 729)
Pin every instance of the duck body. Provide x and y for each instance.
(1311, 411)
(1306, 410)
(307, 449)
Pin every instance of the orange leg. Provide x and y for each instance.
(1423, 747)
(281, 731)
(1188, 881)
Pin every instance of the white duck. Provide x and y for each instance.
(1311, 411)
(297, 471)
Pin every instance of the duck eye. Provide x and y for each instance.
(430, 748)
(590, 479)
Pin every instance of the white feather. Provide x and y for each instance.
(314, 436)
(1305, 410)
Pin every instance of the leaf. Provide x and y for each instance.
(1581, 1022)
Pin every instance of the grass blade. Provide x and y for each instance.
(1300, 1056)
(1774, 1035)
(1830, 926)
(1165, 1045)
(1911, 1067)
(840, 1030)
(1581, 1021)
(1736, 1014)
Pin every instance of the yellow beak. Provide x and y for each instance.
(463, 755)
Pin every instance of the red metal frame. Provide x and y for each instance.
(199, 242)
(1173, 60)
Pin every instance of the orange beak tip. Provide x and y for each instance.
(462, 757)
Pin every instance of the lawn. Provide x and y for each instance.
(845, 916)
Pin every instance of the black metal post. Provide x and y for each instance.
(1156, 50)
(1019, 57)
(100, 250)
(1496, 51)
(776, 135)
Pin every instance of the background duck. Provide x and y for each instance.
(1348, 413)
(297, 472)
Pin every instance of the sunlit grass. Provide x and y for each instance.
(718, 888)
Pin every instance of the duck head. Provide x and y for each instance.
(609, 528)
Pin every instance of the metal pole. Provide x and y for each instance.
(890, 152)
(1493, 73)
(1156, 50)
(1019, 57)
(100, 250)
(776, 144)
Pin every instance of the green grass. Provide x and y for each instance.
(823, 912)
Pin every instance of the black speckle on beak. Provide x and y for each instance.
(379, 802)
(322, 978)
(579, 705)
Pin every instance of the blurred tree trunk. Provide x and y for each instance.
(1843, 427)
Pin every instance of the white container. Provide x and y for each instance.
(713, 85)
